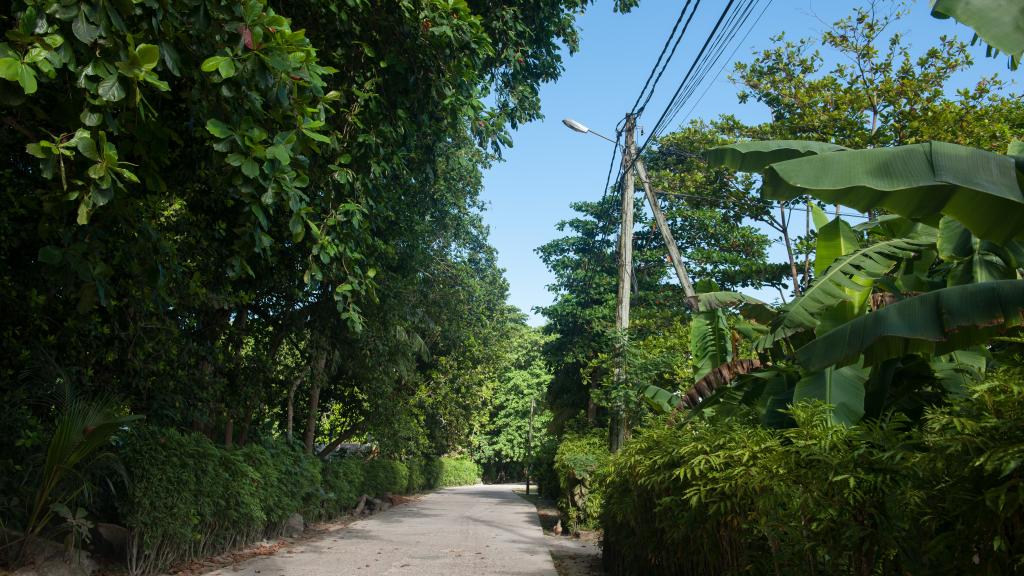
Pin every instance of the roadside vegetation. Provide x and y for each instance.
(864, 422)
(239, 238)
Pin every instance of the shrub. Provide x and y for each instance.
(728, 496)
(343, 481)
(457, 471)
(186, 498)
(581, 462)
(385, 476)
(542, 469)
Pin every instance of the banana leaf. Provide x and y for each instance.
(841, 388)
(755, 155)
(933, 323)
(710, 342)
(981, 189)
(840, 284)
(1000, 23)
(749, 307)
(660, 399)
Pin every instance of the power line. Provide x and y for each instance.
(638, 108)
(737, 20)
(682, 84)
(736, 23)
(704, 62)
(726, 63)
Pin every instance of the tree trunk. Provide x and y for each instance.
(789, 251)
(291, 405)
(229, 432)
(317, 375)
(591, 405)
(244, 439)
(807, 250)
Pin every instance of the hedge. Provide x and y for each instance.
(457, 471)
(186, 498)
(727, 496)
(581, 462)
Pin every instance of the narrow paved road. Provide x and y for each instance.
(470, 531)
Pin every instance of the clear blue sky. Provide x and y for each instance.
(550, 166)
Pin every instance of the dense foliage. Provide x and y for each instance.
(725, 495)
(811, 436)
(515, 412)
(255, 222)
(580, 463)
(184, 497)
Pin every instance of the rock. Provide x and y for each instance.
(361, 507)
(384, 505)
(294, 526)
(112, 540)
(375, 503)
(47, 558)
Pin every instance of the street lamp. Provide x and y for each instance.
(582, 129)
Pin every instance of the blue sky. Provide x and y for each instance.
(550, 166)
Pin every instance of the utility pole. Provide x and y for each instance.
(617, 426)
(529, 445)
(666, 235)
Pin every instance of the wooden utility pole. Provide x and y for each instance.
(617, 426)
(666, 235)
(529, 445)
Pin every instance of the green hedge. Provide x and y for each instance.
(187, 498)
(457, 471)
(581, 462)
(728, 496)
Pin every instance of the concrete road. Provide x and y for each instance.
(467, 531)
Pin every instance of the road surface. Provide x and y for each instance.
(467, 531)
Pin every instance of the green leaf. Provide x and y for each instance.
(835, 239)
(749, 307)
(90, 118)
(840, 282)
(280, 152)
(755, 155)
(27, 79)
(841, 388)
(1000, 23)
(316, 136)
(710, 342)
(10, 68)
(212, 63)
(933, 323)
(84, 30)
(250, 168)
(819, 216)
(87, 147)
(218, 128)
(297, 226)
(226, 68)
(979, 188)
(148, 55)
(110, 89)
(957, 370)
(50, 255)
(660, 399)
(35, 149)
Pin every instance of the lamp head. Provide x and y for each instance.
(576, 126)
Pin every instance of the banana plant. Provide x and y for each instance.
(911, 293)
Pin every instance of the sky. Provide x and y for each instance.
(550, 166)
